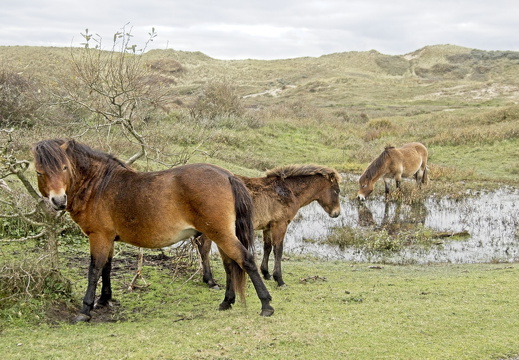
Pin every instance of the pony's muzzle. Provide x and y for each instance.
(58, 202)
(335, 213)
(361, 197)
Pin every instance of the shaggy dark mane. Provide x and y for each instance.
(51, 155)
(376, 164)
(83, 153)
(288, 171)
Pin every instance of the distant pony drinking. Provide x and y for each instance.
(408, 161)
(112, 202)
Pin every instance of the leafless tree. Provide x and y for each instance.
(115, 87)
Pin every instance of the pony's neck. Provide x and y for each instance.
(378, 167)
(91, 179)
(306, 188)
(375, 174)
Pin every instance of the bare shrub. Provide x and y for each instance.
(30, 279)
(351, 117)
(380, 124)
(342, 115)
(372, 134)
(366, 152)
(295, 110)
(509, 113)
(18, 99)
(217, 99)
(393, 65)
(364, 117)
(377, 128)
(167, 66)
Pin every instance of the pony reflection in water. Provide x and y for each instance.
(408, 161)
(112, 202)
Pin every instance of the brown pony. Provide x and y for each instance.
(112, 202)
(277, 197)
(395, 163)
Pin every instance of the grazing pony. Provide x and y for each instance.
(277, 197)
(112, 202)
(395, 163)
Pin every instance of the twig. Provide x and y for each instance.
(191, 277)
(31, 237)
(138, 273)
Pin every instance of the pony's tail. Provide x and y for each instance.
(244, 230)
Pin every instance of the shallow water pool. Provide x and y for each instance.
(490, 217)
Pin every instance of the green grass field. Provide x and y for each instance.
(328, 310)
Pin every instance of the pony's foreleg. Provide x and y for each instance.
(267, 249)
(278, 235)
(387, 185)
(204, 248)
(106, 289)
(100, 251)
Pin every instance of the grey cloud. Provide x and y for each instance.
(267, 29)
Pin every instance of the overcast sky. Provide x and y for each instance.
(268, 29)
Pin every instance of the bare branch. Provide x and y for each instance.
(26, 238)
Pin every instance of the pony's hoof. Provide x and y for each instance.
(82, 318)
(224, 306)
(102, 304)
(267, 312)
(282, 286)
(215, 287)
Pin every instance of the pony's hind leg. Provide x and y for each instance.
(230, 295)
(419, 177)
(267, 249)
(244, 259)
(425, 177)
(261, 290)
(278, 235)
(204, 248)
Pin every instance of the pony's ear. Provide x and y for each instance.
(64, 146)
(333, 177)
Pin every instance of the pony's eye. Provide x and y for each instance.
(38, 174)
(65, 167)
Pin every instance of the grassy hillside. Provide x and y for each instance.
(339, 109)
